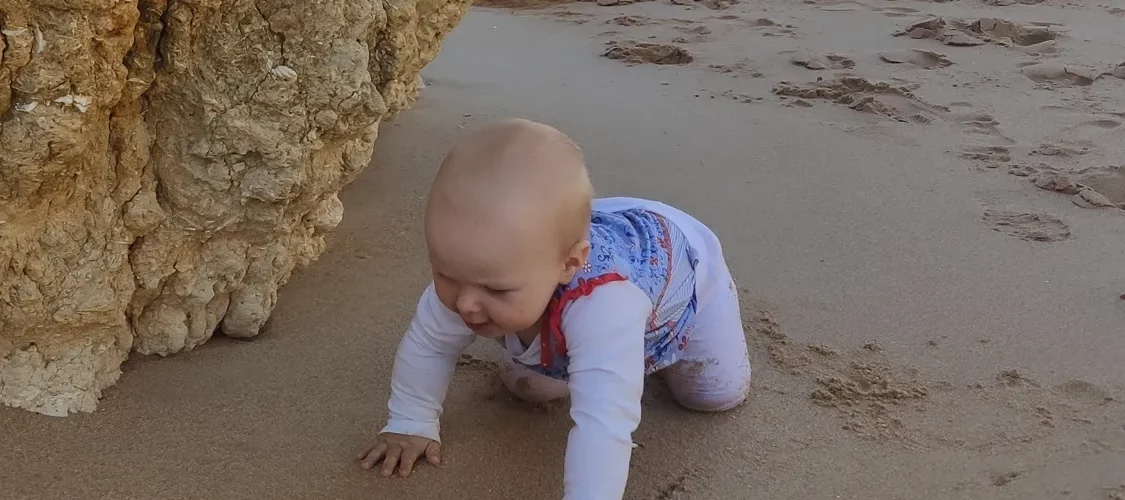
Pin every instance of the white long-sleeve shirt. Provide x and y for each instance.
(605, 345)
(606, 381)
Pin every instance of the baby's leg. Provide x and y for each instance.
(529, 385)
(713, 374)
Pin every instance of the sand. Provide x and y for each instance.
(933, 302)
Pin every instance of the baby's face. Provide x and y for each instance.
(505, 203)
(499, 282)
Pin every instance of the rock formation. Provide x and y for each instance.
(166, 164)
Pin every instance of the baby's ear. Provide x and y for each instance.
(581, 252)
(575, 260)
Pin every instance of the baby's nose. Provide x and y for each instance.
(468, 307)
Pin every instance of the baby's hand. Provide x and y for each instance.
(398, 450)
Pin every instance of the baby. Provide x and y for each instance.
(587, 297)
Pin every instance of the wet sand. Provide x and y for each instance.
(933, 301)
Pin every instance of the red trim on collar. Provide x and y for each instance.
(552, 326)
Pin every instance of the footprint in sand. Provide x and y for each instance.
(1027, 226)
(1083, 390)
(901, 104)
(849, 6)
(877, 398)
(1058, 73)
(880, 98)
(842, 6)
(924, 59)
(870, 395)
(948, 31)
(991, 156)
(1021, 413)
(1094, 187)
(961, 33)
(693, 35)
(569, 16)
(742, 67)
(782, 32)
(1104, 124)
(1001, 479)
(762, 22)
(629, 21)
(1083, 136)
(1055, 108)
(1038, 49)
(740, 97)
(1063, 148)
(1114, 492)
(896, 11)
(1083, 108)
(818, 62)
(980, 124)
(710, 4)
(770, 27)
(984, 129)
(631, 52)
(1005, 31)
(1118, 71)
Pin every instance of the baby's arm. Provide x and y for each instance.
(605, 340)
(423, 367)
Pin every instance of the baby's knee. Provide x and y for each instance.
(713, 404)
(706, 391)
(529, 385)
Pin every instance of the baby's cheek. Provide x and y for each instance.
(504, 314)
(447, 295)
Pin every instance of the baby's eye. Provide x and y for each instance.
(497, 291)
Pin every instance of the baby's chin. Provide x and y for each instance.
(490, 334)
(493, 331)
(488, 331)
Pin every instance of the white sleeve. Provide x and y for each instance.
(605, 342)
(423, 367)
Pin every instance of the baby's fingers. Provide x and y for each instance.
(433, 454)
(372, 456)
(367, 448)
(406, 462)
(391, 460)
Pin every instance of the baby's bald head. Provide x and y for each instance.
(507, 222)
(517, 168)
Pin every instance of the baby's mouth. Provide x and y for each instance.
(476, 327)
